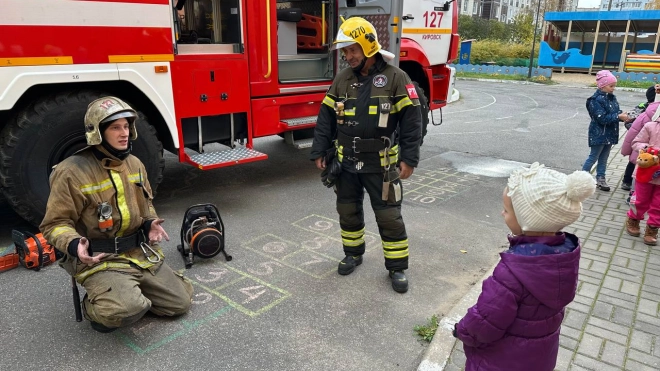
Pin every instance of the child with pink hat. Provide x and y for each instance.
(605, 116)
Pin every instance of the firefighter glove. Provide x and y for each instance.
(331, 173)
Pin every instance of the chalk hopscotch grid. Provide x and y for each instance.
(429, 187)
(331, 232)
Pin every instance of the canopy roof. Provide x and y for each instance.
(610, 21)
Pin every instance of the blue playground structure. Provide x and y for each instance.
(623, 41)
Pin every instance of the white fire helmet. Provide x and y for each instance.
(104, 111)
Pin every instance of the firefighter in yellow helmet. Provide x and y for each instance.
(100, 214)
(367, 136)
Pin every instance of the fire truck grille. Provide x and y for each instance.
(301, 121)
(230, 155)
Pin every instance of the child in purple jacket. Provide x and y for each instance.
(515, 323)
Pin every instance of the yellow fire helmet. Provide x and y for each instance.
(105, 110)
(359, 30)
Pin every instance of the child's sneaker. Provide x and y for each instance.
(626, 186)
(602, 184)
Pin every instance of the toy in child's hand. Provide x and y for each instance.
(648, 163)
(632, 114)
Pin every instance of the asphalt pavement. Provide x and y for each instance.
(279, 304)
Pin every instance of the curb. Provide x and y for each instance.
(437, 355)
(455, 96)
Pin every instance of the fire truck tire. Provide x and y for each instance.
(46, 132)
(424, 106)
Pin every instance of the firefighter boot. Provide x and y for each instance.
(348, 264)
(651, 235)
(399, 281)
(632, 227)
(101, 328)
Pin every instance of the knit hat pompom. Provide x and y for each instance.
(580, 186)
(545, 200)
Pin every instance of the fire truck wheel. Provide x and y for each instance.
(46, 132)
(424, 106)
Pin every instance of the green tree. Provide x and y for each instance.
(472, 27)
(522, 27)
(498, 31)
(466, 27)
(480, 29)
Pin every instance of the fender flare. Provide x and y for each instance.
(15, 81)
(415, 53)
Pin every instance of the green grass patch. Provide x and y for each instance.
(496, 76)
(426, 332)
(632, 84)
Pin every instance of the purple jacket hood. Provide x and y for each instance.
(550, 277)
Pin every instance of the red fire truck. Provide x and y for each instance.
(207, 76)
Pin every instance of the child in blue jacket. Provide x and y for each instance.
(605, 115)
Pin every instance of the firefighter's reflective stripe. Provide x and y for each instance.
(393, 155)
(400, 104)
(121, 203)
(144, 264)
(340, 153)
(59, 230)
(373, 110)
(352, 239)
(134, 178)
(395, 249)
(88, 189)
(349, 112)
(329, 102)
(82, 276)
(106, 184)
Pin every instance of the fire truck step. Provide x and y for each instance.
(227, 157)
(303, 143)
(301, 121)
(299, 141)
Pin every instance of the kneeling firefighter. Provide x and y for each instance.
(100, 214)
(369, 123)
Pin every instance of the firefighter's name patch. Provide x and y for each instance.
(412, 92)
(380, 81)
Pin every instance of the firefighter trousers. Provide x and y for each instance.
(118, 299)
(350, 189)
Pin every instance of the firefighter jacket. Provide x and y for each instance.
(383, 104)
(78, 186)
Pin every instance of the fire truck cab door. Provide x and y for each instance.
(210, 70)
(428, 24)
(382, 14)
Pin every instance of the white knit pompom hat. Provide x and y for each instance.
(546, 200)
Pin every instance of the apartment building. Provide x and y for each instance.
(506, 10)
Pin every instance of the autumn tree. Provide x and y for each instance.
(653, 4)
